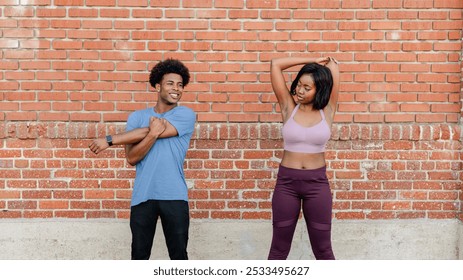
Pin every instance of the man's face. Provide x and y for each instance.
(170, 89)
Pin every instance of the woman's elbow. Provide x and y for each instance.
(273, 62)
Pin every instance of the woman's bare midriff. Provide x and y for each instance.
(302, 160)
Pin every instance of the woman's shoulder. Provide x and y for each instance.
(328, 111)
(289, 110)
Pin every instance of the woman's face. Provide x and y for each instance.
(305, 89)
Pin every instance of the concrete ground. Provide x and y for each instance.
(234, 240)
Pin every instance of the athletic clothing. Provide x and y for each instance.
(302, 188)
(312, 188)
(301, 139)
(175, 219)
(160, 173)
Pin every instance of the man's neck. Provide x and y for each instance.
(161, 108)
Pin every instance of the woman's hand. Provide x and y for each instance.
(326, 60)
(323, 60)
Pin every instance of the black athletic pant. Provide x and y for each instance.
(175, 219)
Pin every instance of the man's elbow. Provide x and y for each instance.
(132, 161)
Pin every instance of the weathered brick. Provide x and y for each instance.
(396, 141)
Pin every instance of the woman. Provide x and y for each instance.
(307, 109)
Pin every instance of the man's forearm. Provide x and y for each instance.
(135, 153)
(130, 137)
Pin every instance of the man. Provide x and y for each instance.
(157, 140)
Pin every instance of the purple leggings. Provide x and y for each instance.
(310, 187)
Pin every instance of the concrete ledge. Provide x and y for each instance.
(460, 242)
(220, 240)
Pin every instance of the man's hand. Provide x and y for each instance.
(98, 145)
(157, 126)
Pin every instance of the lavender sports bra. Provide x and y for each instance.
(301, 139)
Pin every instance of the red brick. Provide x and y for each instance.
(256, 215)
(350, 215)
(100, 214)
(225, 214)
(392, 96)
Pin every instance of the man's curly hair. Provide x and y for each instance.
(166, 67)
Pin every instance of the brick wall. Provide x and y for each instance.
(72, 70)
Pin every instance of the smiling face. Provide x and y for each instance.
(305, 89)
(170, 89)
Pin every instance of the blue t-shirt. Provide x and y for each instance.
(160, 173)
